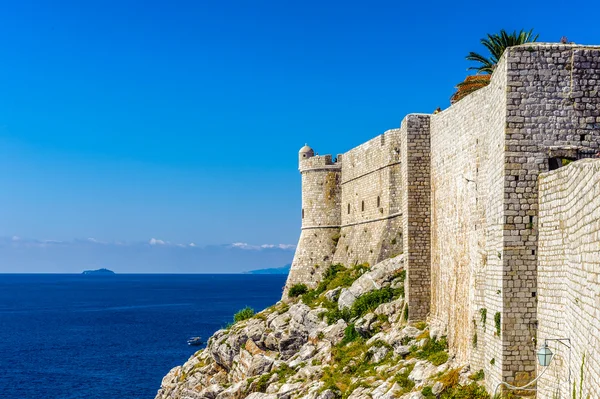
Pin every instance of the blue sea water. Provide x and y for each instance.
(76, 336)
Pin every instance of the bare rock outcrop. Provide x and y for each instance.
(310, 348)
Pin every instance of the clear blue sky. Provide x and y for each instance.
(181, 120)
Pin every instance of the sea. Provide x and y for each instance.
(112, 337)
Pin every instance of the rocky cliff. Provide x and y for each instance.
(346, 338)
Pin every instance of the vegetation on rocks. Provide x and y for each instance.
(297, 290)
(243, 314)
(346, 338)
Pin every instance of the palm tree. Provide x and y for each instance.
(496, 44)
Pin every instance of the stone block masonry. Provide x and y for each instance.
(457, 192)
(467, 233)
(569, 278)
(415, 148)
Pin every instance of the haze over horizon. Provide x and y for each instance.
(153, 256)
(182, 122)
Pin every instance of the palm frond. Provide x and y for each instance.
(496, 44)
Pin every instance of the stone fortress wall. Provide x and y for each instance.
(371, 197)
(467, 223)
(569, 278)
(457, 193)
(321, 217)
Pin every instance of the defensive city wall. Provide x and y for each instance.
(495, 214)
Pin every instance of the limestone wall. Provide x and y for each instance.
(457, 193)
(467, 185)
(569, 278)
(321, 195)
(552, 101)
(371, 192)
(416, 205)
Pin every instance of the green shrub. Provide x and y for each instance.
(333, 277)
(369, 301)
(297, 289)
(497, 320)
(243, 314)
(438, 358)
(434, 351)
(483, 314)
(428, 393)
(334, 314)
(402, 275)
(350, 335)
(403, 380)
(478, 376)
(262, 383)
(471, 391)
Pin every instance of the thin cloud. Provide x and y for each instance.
(244, 245)
(154, 241)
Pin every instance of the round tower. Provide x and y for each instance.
(321, 217)
(321, 189)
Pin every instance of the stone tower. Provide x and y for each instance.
(321, 217)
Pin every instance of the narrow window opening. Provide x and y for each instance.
(558, 162)
(530, 219)
(533, 251)
(378, 202)
(362, 206)
(554, 163)
(348, 209)
(582, 137)
(516, 177)
(302, 213)
(533, 294)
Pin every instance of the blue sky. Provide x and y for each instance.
(181, 120)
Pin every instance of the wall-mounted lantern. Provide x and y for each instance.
(544, 355)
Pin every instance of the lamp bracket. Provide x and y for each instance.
(563, 341)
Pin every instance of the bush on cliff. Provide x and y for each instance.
(298, 289)
(335, 276)
(434, 351)
(243, 314)
(371, 300)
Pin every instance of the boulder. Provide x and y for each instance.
(393, 310)
(335, 332)
(381, 390)
(378, 277)
(402, 350)
(413, 395)
(327, 394)
(333, 295)
(437, 388)
(378, 353)
(260, 395)
(291, 343)
(287, 390)
(363, 324)
(360, 393)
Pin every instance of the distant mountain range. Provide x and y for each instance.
(274, 270)
(18, 255)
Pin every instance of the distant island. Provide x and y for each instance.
(99, 271)
(274, 270)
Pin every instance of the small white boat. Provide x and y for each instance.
(194, 341)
